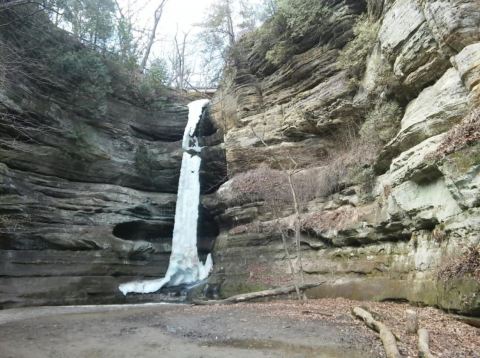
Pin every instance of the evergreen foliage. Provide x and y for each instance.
(88, 74)
(96, 58)
(91, 20)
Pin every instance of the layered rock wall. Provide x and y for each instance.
(388, 236)
(88, 197)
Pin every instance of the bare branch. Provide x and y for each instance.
(156, 20)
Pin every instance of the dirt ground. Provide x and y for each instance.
(319, 328)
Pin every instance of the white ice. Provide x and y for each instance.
(185, 267)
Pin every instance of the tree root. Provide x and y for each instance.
(254, 295)
(386, 335)
(423, 349)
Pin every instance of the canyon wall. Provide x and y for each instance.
(88, 194)
(400, 213)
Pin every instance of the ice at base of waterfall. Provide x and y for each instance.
(184, 267)
(181, 276)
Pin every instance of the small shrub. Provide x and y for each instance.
(261, 184)
(382, 123)
(438, 233)
(10, 224)
(339, 170)
(346, 166)
(467, 264)
(153, 82)
(267, 35)
(353, 56)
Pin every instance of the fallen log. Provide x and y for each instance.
(255, 295)
(386, 335)
(471, 321)
(423, 349)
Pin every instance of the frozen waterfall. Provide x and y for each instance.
(185, 267)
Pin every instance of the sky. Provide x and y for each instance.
(178, 15)
(181, 14)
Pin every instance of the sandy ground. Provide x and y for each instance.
(320, 328)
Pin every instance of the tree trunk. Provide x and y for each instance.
(255, 295)
(297, 225)
(297, 217)
(387, 337)
(423, 349)
(287, 254)
(230, 27)
(153, 34)
(411, 320)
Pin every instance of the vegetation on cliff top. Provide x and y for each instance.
(283, 34)
(84, 62)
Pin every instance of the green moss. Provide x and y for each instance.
(461, 295)
(84, 147)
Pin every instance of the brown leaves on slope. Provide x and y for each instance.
(467, 264)
(463, 134)
(338, 219)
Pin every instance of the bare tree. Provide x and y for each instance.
(268, 186)
(290, 186)
(291, 170)
(178, 61)
(230, 31)
(218, 37)
(151, 40)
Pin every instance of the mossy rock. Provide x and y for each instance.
(461, 295)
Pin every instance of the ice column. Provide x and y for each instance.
(185, 266)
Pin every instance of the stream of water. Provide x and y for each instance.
(184, 267)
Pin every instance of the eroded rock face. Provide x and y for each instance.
(422, 206)
(435, 110)
(88, 200)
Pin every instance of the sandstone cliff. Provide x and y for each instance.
(402, 209)
(87, 197)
